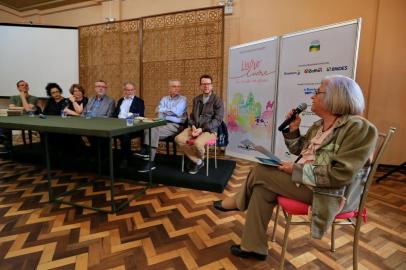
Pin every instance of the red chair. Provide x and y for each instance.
(291, 207)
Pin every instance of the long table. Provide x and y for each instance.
(99, 127)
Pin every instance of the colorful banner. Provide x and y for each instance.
(251, 98)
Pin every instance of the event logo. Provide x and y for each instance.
(314, 46)
(252, 68)
(292, 73)
(313, 70)
(337, 68)
(309, 91)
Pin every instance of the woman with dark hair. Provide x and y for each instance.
(334, 162)
(56, 102)
(77, 100)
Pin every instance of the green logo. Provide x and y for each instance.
(314, 46)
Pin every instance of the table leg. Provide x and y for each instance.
(99, 167)
(48, 164)
(149, 165)
(111, 161)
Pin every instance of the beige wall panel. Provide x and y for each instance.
(10, 18)
(388, 81)
(141, 8)
(75, 17)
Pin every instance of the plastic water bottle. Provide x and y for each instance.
(130, 120)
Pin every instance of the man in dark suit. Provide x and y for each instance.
(127, 105)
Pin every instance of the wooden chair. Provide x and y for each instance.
(292, 207)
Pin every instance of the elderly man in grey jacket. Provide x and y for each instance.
(100, 105)
(207, 115)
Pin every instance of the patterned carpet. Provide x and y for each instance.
(174, 228)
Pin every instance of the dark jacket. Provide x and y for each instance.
(207, 116)
(137, 106)
(54, 108)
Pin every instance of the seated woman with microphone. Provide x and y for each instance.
(334, 152)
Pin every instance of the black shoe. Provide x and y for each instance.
(188, 164)
(217, 205)
(144, 153)
(146, 167)
(4, 149)
(237, 251)
(195, 168)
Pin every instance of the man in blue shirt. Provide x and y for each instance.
(172, 108)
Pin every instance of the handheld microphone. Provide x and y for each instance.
(296, 111)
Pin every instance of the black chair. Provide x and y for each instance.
(29, 137)
(171, 139)
(168, 140)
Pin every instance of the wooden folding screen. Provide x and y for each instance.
(182, 45)
(110, 52)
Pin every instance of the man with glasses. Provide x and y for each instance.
(207, 115)
(127, 105)
(172, 108)
(100, 105)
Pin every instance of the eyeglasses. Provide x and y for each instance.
(204, 84)
(54, 92)
(317, 91)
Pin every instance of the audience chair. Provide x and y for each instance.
(212, 142)
(355, 218)
(29, 137)
(171, 139)
(168, 140)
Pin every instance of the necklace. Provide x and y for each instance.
(330, 126)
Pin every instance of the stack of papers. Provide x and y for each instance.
(3, 112)
(14, 112)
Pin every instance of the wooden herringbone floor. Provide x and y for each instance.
(173, 228)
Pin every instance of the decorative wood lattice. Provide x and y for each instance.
(181, 46)
(110, 52)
